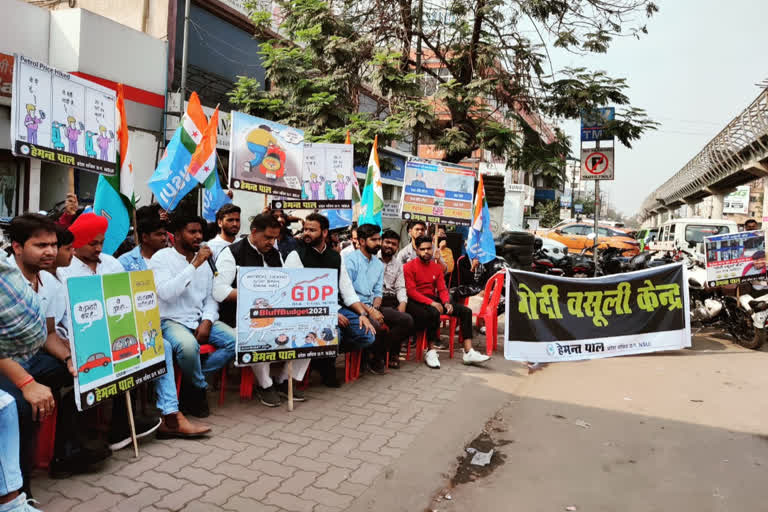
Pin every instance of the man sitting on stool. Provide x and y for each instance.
(428, 298)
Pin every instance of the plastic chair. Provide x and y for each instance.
(352, 362)
(488, 310)
(205, 350)
(246, 383)
(453, 323)
(46, 439)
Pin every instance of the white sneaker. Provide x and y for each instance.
(474, 357)
(431, 359)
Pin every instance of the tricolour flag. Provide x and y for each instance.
(124, 161)
(372, 202)
(203, 161)
(171, 181)
(480, 242)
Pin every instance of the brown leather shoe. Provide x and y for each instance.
(176, 425)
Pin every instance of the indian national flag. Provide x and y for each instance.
(193, 124)
(125, 163)
(372, 202)
(203, 161)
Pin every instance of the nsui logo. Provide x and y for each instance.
(551, 349)
(90, 398)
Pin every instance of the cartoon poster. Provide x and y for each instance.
(286, 313)
(265, 157)
(734, 258)
(438, 192)
(115, 338)
(61, 118)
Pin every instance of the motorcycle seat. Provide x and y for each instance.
(759, 290)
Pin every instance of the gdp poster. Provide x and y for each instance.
(735, 258)
(438, 192)
(285, 314)
(61, 118)
(265, 157)
(116, 339)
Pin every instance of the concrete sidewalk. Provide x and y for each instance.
(321, 457)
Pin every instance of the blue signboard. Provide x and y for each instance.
(578, 207)
(592, 125)
(395, 171)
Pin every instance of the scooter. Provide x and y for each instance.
(543, 262)
(755, 304)
(710, 306)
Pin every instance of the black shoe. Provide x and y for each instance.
(269, 396)
(298, 394)
(84, 461)
(120, 434)
(195, 402)
(377, 367)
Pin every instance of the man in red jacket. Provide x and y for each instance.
(428, 298)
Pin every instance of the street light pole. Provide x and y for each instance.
(184, 52)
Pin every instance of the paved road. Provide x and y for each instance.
(679, 431)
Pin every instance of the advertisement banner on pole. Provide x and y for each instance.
(116, 340)
(285, 314)
(265, 157)
(597, 164)
(552, 318)
(735, 258)
(61, 118)
(593, 124)
(438, 192)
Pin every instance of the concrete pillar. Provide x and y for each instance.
(718, 201)
(690, 207)
(34, 185)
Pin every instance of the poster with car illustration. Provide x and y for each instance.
(285, 314)
(62, 118)
(115, 338)
(265, 157)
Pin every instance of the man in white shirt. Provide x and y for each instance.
(417, 229)
(256, 250)
(88, 230)
(228, 220)
(188, 312)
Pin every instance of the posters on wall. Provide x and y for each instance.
(285, 314)
(391, 210)
(265, 157)
(115, 338)
(438, 192)
(6, 78)
(61, 118)
(735, 258)
(552, 318)
(737, 201)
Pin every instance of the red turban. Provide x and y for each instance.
(86, 227)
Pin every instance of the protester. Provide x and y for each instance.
(416, 230)
(12, 498)
(446, 255)
(69, 213)
(428, 298)
(256, 250)
(286, 242)
(356, 330)
(750, 225)
(395, 297)
(228, 221)
(64, 240)
(151, 237)
(367, 274)
(33, 359)
(354, 245)
(188, 311)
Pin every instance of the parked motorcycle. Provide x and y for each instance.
(710, 306)
(755, 304)
(545, 263)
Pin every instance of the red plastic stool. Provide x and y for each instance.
(246, 383)
(421, 345)
(352, 365)
(46, 439)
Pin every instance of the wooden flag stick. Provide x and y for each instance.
(289, 371)
(129, 405)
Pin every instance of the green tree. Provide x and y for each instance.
(548, 213)
(481, 82)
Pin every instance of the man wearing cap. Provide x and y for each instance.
(88, 230)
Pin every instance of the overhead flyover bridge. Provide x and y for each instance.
(735, 156)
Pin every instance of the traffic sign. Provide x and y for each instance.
(592, 124)
(597, 164)
(578, 207)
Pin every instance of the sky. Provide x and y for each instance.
(694, 71)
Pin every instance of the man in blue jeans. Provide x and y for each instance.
(151, 234)
(11, 499)
(188, 312)
(357, 332)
